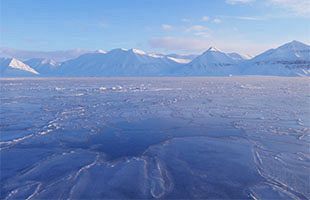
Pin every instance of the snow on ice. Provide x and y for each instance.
(197, 138)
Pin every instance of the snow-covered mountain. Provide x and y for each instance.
(58, 56)
(180, 58)
(291, 59)
(99, 51)
(239, 57)
(212, 62)
(45, 67)
(11, 67)
(119, 62)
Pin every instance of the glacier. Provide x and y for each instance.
(168, 138)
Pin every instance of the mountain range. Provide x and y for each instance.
(291, 59)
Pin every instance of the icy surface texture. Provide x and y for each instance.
(217, 138)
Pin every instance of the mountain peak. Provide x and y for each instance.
(100, 51)
(41, 63)
(16, 64)
(137, 51)
(290, 53)
(213, 49)
(294, 45)
(125, 51)
(119, 49)
(296, 42)
(213, 59)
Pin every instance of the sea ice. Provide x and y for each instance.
(218, 138)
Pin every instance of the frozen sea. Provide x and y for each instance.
(168, 138)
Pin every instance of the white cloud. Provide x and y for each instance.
(300, 7)
(200, 44)
(197, 28)
(202, 34)
(217, 21)
(233, 2)
(249, 18)
(185, 20)
(179, 43)
(205, 18)
(166, 27)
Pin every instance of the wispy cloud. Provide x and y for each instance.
(198, 31)
(185, 20)
(233, 2)
(200, 44)
(300, 7)
(202, 34)
(217, 20)
(167, 27)
(205, 18)
(179, 43)
(196, 28)
(249, 18)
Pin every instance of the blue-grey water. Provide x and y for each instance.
(168, 138)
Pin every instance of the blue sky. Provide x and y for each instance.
(182, 26)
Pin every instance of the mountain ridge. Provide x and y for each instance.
(289, 59)
(14, 67)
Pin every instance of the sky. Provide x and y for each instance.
(166, 26)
